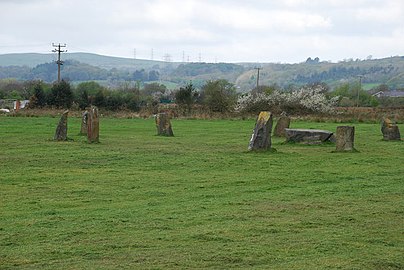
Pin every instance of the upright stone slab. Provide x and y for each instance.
(261, 137)
(283, 122)
(93, 125)
(390, 130)
(61, 129)
(84, 121)
(345, 139)
(163, 125)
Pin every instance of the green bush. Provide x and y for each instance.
(219, 95)
(61, 95)
(186, 97)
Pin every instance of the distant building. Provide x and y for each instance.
(391, 94)
(13, 104)
(21, 104)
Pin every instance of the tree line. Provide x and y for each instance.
(215, 96)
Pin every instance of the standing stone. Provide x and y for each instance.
(163, 125)
(93, 125)
(261, 137)
(390, 131)
(61, 129)
(84, 121)
(283, 122)
(345, 139)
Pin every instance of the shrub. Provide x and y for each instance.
(348, 96)
(186, 97)
(61, 95)
(38, 99)
(219, 95)
(302, 101)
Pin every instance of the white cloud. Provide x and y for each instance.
(229, 30)
(388, 12)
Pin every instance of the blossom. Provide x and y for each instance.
(303, 100)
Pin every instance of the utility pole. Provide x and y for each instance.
(167, 57)
(59, 51)
(258, 75)
(360, 88)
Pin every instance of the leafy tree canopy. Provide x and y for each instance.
(219, 95)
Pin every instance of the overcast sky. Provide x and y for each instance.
(287, 31)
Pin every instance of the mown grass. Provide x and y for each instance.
(196, 200)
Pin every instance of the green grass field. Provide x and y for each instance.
(196, 200)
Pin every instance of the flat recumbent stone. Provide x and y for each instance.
(307, 135)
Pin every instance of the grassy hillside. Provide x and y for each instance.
(388, 71)
(26, 59)
(108, 62)
(198, 200)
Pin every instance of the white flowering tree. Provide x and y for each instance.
(303, 101)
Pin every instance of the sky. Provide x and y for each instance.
(258, 31)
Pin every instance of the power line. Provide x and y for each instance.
(167, 57)
(59, 51)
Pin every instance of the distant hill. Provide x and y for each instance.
(199, 73)
(25, 59)
(87, 66)
(388, 71)
(102, 61)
